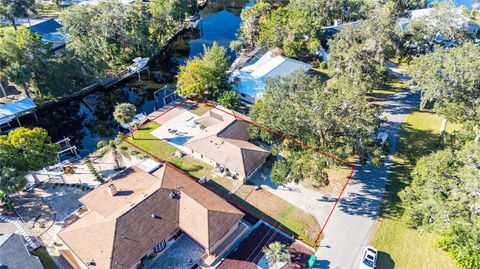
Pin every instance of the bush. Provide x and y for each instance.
(280, 171)
(229, 99)
(92, 170)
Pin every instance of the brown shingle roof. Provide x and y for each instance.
(120, 230)
(224, 140)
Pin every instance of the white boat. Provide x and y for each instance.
(139, 64)
(138, 118)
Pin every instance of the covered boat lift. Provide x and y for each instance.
(15, 110)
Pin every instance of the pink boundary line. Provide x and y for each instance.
(352, 166)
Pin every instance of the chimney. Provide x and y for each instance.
(112, 189)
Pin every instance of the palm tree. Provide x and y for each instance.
(112, 147)
(276, 253)
(124, 114)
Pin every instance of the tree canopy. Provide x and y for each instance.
(110, 34)
(251, 19)
(26, 62)
(450, 79)
(294, 30)
(229, 99)
(446, 25)
(13, 9)
(21, 151)
(124, 113)
(359, 53)
(336, 119)
(205, 75)
(443, 196)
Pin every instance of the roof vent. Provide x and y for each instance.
(174, 195)
(112, 189)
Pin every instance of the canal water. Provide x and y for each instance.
(89, 120)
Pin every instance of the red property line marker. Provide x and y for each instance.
(352, 166)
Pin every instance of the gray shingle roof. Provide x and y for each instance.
(14, 254)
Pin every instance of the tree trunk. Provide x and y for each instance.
(132, 130)
(12, 20)
(35, 178)
(477, 138)
(3, 89)
(443, 126)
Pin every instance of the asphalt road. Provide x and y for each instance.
(353, 220)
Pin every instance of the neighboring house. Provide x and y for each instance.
(14, 254)
(329, 34)
(223, 143)
(250, 80)
(49, 31)
(463, 20)
(139, 215)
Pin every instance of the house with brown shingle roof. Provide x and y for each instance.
(223, 142)
(139, 215)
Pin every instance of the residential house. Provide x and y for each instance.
(329, 33)
(140, 215)
(249, 81)
(14, 254)
(49, 31)
(463, 20)
(223, 143)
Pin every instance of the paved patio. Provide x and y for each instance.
(183, 254)
(82, 175)
(178, 130)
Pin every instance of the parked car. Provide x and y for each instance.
(369, 258)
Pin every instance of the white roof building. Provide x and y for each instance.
(250, 80)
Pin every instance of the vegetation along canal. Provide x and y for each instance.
(89, 120)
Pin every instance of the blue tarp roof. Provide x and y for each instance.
(16, 108)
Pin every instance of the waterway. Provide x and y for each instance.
(89, 120)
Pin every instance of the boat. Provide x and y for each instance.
(139, 118)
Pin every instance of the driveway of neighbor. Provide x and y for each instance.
(308, 200)
(353, 220)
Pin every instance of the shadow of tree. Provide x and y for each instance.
(413, 144)
(245, 206)
(385, 261)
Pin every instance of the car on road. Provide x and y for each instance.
(369, 258)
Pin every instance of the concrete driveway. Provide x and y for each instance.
(353, 220)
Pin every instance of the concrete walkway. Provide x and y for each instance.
(353, 220)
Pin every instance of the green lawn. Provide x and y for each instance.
(261, 202)
(271, 208)
(401, 246)
(390, 88)
(44, 11)
(45, 258)
(166, 152)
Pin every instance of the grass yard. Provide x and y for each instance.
(200, 109)
(261, 202)
(166, 152)
(401, 246)
(45, 258)
(390, 88)
(47, 11)
(272, 208)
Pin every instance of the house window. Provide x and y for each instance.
(243, 95)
